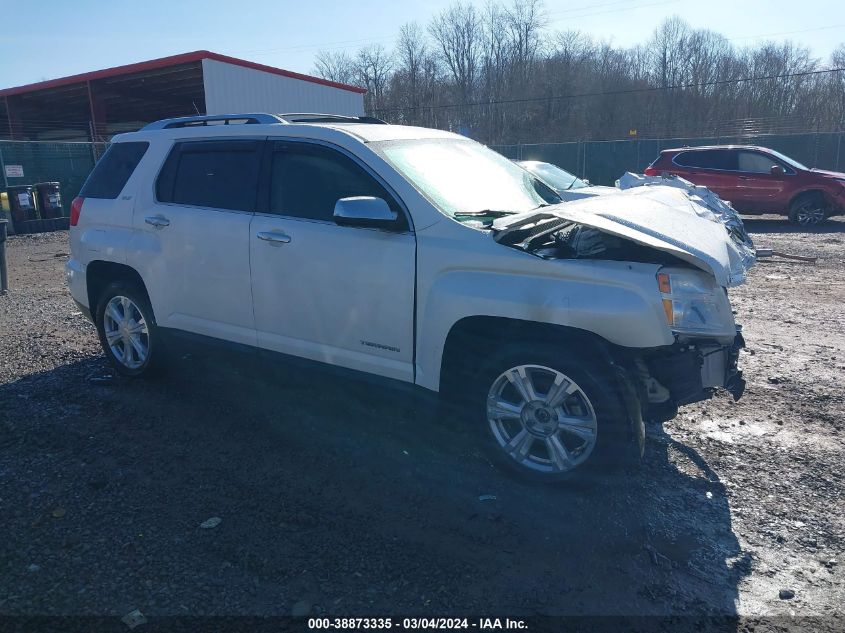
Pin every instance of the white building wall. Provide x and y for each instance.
(230, 88)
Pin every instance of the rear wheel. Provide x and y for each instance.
(127, 329)
(550, 416)
(809, 209)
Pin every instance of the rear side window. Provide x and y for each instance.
(708, 159)
(307, 180)
(215, 174)
(113, 170)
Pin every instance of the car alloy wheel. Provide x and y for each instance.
(541, 419)
(126, 331)
(810, 213)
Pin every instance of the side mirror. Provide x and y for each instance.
(777, 170)
(364, 211)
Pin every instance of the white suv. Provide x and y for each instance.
(417, 256)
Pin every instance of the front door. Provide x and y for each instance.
(758, 189)
(337, 294)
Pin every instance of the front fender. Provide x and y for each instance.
(616, 301)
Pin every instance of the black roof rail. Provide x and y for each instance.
(317, 117)
(218, 119)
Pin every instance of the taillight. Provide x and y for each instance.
(75, 210)
(651, 171)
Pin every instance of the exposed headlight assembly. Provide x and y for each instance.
(694, 303)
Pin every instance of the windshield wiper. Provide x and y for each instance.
(574, 180)
(489, 213)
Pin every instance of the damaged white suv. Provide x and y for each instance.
(420, 257)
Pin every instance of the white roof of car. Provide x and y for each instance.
(365, 132)
(376, 132)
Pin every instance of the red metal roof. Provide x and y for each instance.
(173, 60)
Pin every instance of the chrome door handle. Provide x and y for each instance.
(158, 221)
(273, 236)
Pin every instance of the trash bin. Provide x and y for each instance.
(22, 203)
(6, 212)
(49, 199)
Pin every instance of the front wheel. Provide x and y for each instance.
(551, 416)
(127, 329)
(808, 210)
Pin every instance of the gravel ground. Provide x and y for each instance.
(337, 500)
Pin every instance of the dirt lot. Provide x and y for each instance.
(337, 500)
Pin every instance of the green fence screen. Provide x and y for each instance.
(65, 163)
(602, 162)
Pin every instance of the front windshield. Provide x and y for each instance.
(789, 161)
(554, 176)
(462, 177)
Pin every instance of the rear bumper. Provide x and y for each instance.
(78, 285)
(84, 310)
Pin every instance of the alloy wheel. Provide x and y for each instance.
(810, 213)
(541, 418)
(126, 332)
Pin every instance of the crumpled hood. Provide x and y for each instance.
(668, 219)
(584, 192)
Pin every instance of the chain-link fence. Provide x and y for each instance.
(602, 162)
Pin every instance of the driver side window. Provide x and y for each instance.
(307, 180)
(755, 163)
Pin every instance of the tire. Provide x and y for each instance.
(808, 209)
(132, 346)
(585, 435)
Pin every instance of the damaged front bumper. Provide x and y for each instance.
(688, 371)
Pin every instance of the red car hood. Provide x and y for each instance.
(829, 174)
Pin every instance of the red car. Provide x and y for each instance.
(758, 180)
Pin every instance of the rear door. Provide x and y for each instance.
(105, 226)
(711, 168)
(758, 189)
(193, 247)
(342, 295)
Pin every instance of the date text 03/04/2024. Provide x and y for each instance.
(417, 624)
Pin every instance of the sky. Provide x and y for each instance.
(61, 38)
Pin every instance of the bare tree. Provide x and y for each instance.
(457, 33)
(411, 54)
(373, 65)
(524, 21)
(499, 71)
(336, 66)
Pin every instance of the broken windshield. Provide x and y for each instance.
(554, 176)
(465, 179)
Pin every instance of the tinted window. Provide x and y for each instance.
(216, 174)
(307, 180)
(112, 172)
(755, 163)
(708, 159)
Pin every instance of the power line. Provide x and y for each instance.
(610, 92)
(567, 13)
(818, 28)
(340, 44)
(619, 10)
(586, 7)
